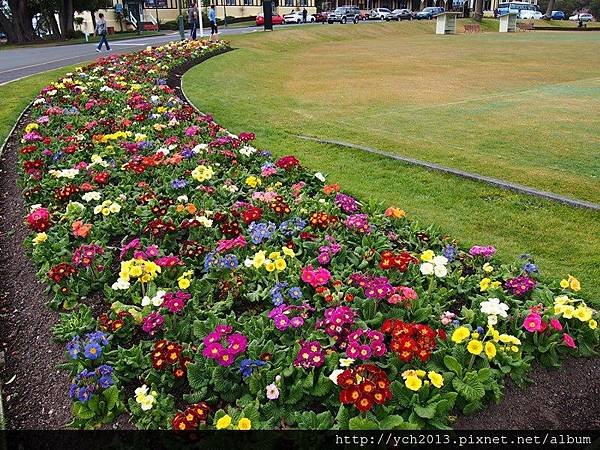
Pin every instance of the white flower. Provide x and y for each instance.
(494, 307)
(440, 271)
(97, 209)
(322, 200)
(182, 199)
(114, 208)
(145, 400)
(204, 221)
(492, 320)
(427, 268)
(39, 101)
(319, 176)
(120, 284)
(346, 362)
(439, 260)
(200, 147)
(335, 374)
(247, 150)
(65, 173)
(89, 196)
(249, 262)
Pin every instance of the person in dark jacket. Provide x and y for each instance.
(101, 30)
(304, 14)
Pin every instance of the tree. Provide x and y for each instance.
(478, 13)
(549, 10)
(15, 20)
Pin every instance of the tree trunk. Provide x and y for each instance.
(478, 13)
(18, 28)
(66, 18)
(549, 10)
(53, 24)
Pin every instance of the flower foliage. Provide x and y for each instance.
(238, 290)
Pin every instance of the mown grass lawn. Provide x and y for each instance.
(510, 106)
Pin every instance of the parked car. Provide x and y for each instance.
(296, 17)
(400, 14)
(429, 13)
(364, 15)
(320, 17)
(344, 14)
(558, 15)
(379, 13)
(530, 14)
(277, 19)
(584, 17)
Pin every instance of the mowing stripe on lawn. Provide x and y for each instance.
(461, 173)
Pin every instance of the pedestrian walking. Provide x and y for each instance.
(101, 31)
(304, 14)
(193, 17)
(212, 18)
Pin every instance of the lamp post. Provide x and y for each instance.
(181, 30)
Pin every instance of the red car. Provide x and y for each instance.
(320, 17)
(277, 19)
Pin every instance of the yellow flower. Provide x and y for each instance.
(564, 283)
(413, 383)
(253, 181)
(288, 251)
(270, 266)
(574, 283)
(514, 348)
(593, 324)
(30, 127)
(135, 271)
(460, 334)
(244, 424)
(409, 373)
(259, 259)
(427, 255)
(475, 347)
(490, 350)
(561, 299)
(484, 284)
(224, 422)
(183, 283)
(202, 173)
(39, 238)
(568, 311)
(274, 255)
(280, 264)
(436, 379)
(487, 268)
(583, 313)
(421, 373)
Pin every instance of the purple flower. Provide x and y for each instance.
(486, 252)
(152, 322)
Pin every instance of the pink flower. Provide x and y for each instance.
(556, 324)
(272, 392)
(533, 323)
(569, 341)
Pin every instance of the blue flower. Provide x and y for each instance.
(178, 184)
(92, 350)
(295, 293)
(98, 336)
(530, 268)
(84, 394)
(449, 252)
(260, 232)
(74, 348)
(105, 381)
(479, 330)
(104, 370)
(187, 153)
(248, 365)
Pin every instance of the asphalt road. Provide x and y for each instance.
(21, 62)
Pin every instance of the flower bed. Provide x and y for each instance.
(205, 283)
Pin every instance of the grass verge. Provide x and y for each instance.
(275, 97)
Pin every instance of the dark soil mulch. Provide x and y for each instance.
(565, 398)
(38, 398)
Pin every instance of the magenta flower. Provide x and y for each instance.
(533, 323)
(569, 341)
(556, 324)
(152, 323)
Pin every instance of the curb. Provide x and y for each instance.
(521, 189)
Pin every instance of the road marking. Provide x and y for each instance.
(44, 63)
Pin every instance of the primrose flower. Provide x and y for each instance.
(272, 391)
(223, 422)
(533, 323)
(145, 400)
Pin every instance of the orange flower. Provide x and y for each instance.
(180, 208)
(191, 208)
(81, 229)
(331, 188)
(397, 213)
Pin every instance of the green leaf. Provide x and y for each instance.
(361, 423)
(425, 412)
(390, 422)
(452, 364)
(112, 396)
(421, 314)
(322, 387)
(251, 413)
(342, 418)
(471, 389)
(471, 407)
(196, 377)
(309, 381)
